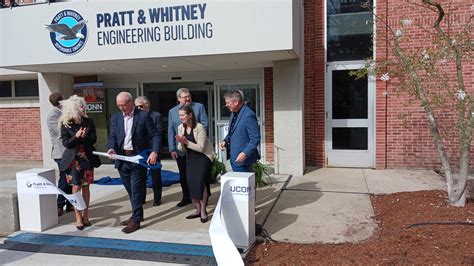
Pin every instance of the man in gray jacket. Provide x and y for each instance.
(184, 98)
(58, 149)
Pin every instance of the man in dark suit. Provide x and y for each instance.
(130, 134)
(142, 103)
(243, 137)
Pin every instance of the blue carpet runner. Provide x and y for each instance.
(111, 248)
(168, 178)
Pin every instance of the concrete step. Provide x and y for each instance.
(111, 248)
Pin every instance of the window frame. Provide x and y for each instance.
(13, 91)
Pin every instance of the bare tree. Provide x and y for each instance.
(433, 74)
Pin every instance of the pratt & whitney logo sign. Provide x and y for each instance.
(37, 185)
(68, 32)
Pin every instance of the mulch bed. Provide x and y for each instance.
(393, 242)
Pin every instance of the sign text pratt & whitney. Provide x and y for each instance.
(171, 23)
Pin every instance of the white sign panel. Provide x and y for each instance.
(35, 184)
(68, 32)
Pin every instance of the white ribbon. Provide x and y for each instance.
(224, 249)
(38, 185)
(133, 159)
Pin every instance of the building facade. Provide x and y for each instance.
(292, 60)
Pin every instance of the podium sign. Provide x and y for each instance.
(37, 212)
(238, 207)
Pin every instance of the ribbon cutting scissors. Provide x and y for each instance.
(138, 159)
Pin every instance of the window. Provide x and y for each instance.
(5, 89)
(350, 30)
(26, 88)
(19, 88)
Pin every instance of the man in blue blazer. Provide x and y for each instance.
(184, 98)
(130, 133)
(243, 137)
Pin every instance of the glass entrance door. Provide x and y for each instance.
(162, 98)
(349, 118)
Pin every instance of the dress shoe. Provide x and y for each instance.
(157, 203)
(60, 211)
(88, 224)
(183, 203)
(126, 222)
(193, 216)
(204, 220)
(131, 227)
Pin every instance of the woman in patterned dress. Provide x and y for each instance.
(79, 136)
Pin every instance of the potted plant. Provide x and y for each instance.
(217, 169)
(261, 171)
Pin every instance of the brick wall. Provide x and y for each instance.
(20, 134)
(268, 99)
(403, 136)
(314, 76)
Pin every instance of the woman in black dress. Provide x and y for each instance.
(192, 138)
(78, 136)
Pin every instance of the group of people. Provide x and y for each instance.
(136, 129)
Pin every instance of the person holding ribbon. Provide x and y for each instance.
(132, 132)
(78, 135)
(192, 139)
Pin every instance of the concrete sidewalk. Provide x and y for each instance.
(332, 205)
(329, 205)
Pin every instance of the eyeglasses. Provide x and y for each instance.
(140, 106)
(185, 97)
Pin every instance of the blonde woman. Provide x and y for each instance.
(78, 135)
(192, 139)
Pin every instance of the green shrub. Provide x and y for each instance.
(217, 169)
(261, 171)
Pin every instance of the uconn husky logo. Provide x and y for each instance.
(68, 32)
(239, 190)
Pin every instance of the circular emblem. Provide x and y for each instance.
(28, 184)
(68, 32)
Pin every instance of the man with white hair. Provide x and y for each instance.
(130, 132)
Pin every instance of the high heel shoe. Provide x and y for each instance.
(80, 227)
(87, 224)
(204, 220)
(192, 216)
